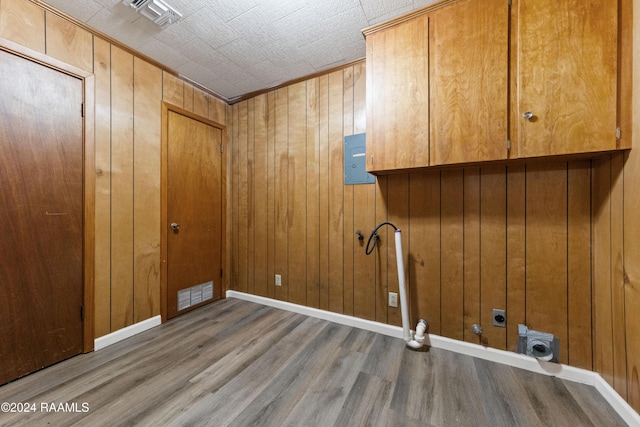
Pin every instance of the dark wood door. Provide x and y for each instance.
(41, 216)
(194, 206)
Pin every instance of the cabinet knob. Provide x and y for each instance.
(528, 115)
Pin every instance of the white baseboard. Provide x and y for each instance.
(124, 333)
(516, 360)
(620, 405)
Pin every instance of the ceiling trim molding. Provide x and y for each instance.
(229, 101)
(250, 95)
(407, 16)
(115, 42)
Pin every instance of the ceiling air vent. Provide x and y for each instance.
(155, 10)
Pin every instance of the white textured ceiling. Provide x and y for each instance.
(234, 47)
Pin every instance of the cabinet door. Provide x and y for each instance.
(398, 96)
(566, 76)
(469, 82)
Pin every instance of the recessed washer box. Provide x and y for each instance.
(355, 160)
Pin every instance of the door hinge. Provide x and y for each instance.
(82, 110)
(509, 2)
(82, 313)
(508, 145)
(618, 133)
(222, 148)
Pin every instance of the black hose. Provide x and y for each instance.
(375, 237)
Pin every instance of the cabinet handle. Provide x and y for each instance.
(528, 115)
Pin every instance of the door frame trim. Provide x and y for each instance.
(88, 258)
(166, 107)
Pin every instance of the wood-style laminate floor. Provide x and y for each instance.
(235, 363)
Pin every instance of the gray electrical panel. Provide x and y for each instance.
(355, 160)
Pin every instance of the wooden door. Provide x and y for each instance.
(566, 76)
(41, 216)
(398, 96)
(469, 82)
(194, 205)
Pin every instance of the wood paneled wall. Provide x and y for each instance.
(129, 92)
(556, 244)
(616, 226)
(616, 238)
(542, 240)
(515, 238)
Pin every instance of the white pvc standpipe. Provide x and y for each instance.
(412, 341)
(404, 309)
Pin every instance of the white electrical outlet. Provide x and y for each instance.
(278, 280)
(393, 299)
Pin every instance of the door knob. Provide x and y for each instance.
(175, 226)
(528, 115)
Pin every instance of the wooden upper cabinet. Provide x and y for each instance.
(565, 93)
(469, 82)
(398, 96)
(466, 81)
